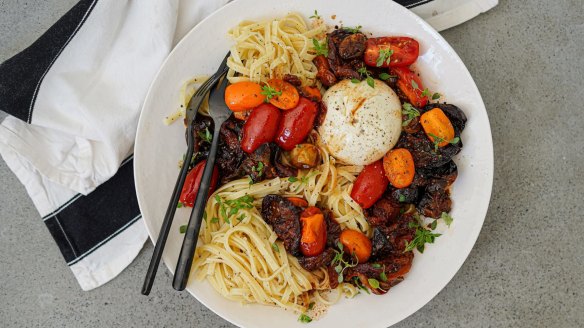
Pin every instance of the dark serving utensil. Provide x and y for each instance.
(219, 113)
(191, 113)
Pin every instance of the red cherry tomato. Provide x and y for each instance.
(260, 127)
(411, 85)
(405, 51)
(193, 181)
(296, 124)
(313, 238)
(370, 185)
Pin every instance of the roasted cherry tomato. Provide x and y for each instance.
(243, 96)
(370, 185)
(300, 202)
(405, 51)
(193, 181)
(261, 127)
(312, 93)
(313, 239)
(296, 124)
(437, 124)
(243, 115)
(399, 167)
(356, 243)
(411, 85)
(285, 94)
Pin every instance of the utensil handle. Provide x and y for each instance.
(187, 251)
(168, 218)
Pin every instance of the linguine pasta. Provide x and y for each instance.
(239, 253)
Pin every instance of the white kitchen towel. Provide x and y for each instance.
(75, 96)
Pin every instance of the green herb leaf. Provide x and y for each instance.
(304, 318)
(311, 305)
(376, 265)
(373, 283)
(362, 70)
(320, 48)
(241, 217)
(414, 84)
(315, 16)
(179, 205)
(355, 80)
(385, 76)
(454, 141)
(434, 224)
(275, 247)
(226, 219)
(270, 92)
(447, 218)
(206, 135)
(436, 96)
(382, 276)
(426, 92)
(402, 198)
(182, 228)
(259, 169)
(340, 246)
(214, 220)
(353, 30)
(370, 81)
(410, 112)
(292, 179)
(423, 236)
(384, 57)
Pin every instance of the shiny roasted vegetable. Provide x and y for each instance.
(304, 156)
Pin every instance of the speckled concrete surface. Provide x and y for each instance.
(527, 268)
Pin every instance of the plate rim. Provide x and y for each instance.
(489, 161)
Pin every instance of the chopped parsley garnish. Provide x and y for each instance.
(353, 30)
(270, 92)
(426, 92)
(179, 205)
(234, 206)
(315, 16)
(320, 48)
(259, 169)
(206, 135)
(339, 263)
(422, 237)
(182, 228)
(215, 220)
(292, 179)
(304, 318)
(376, 265)
(447, 218)
(410, 112)
(438, 140)
(275, 247)
(384, 57)
(402, 198)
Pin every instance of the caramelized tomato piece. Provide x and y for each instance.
(260, 127)
(313, 238)
(370, 185)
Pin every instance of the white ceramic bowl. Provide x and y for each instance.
(159, 147)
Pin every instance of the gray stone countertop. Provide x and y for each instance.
(527, 267)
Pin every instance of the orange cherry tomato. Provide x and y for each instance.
(300, 202)
(242, 96)
(243, 115)
(399, 167)
(355, 242)
(286, 96)
(437, 124)
(312, 93)
(313, 239)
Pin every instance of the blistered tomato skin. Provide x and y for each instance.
(193, 181)
(296, 124)
(313, 240)
(370, 185)
(260, 127)
(405, 51)
(357, 244)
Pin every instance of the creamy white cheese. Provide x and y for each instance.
(361, 123)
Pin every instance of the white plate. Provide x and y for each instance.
(158, 148)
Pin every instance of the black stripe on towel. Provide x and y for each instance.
(22, 75)
(412, 3)
(84, 223)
